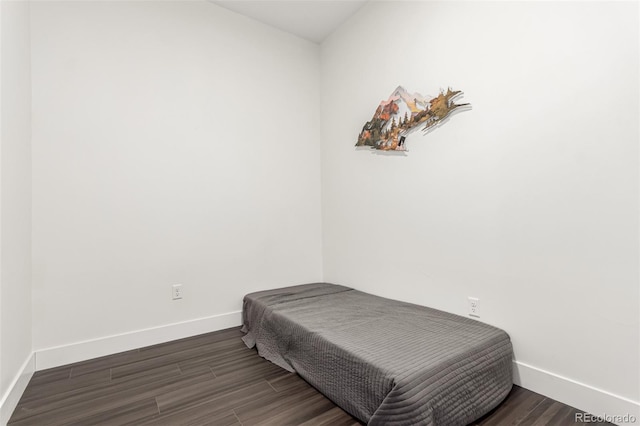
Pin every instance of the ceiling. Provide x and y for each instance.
(313, 20)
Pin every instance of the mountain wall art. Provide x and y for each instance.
(405, 112)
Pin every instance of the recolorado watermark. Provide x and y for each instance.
(611, 418)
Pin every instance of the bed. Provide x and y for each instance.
(383, 361)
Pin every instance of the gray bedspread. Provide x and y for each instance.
(385, 362)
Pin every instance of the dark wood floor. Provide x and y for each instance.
(211, 379)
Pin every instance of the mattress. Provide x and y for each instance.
(383, 361)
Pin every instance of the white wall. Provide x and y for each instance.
(528, 202)
(15, 202)
(173, 142)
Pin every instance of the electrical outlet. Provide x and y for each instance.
(176, 291)
(474, 307)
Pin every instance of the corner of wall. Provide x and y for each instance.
(17, 387)
(16, 347)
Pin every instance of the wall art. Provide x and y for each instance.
(405, 112)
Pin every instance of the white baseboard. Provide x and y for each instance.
(11, 397)
(88, 349)
(578, 395)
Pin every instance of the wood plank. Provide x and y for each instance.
(216, 389)
(53, 399)
(539, 415)
(104, 362)
(51, 375)
(334, 417)
(562, 415)
(257, 410)
(220, 399)
(125, 414)
(61, 412)
(290, 410)
(518, 404)
(288, 381)
(203, 414)
(44, 390)
(216, 358)
(149, 359)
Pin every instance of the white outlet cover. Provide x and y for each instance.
(474, 307)
(176, 291)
